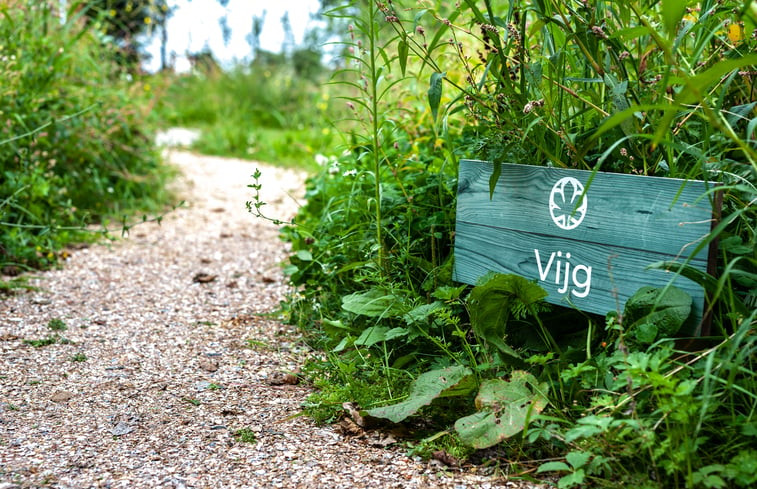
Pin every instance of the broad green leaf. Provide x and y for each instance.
(396, 333)
(427, 387)
(577, 459)
(435, 93)
(504, 409)
(371, 336)
(346, 341)
(552, 467)
(645, 333)
(304, 255)
(654, 313)
(672, 13)
(587, 427)
(374, 303)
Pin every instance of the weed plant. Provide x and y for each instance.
(664, 89)
(75, 145)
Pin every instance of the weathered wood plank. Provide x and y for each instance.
(612, 275)
(540, 230)
(639, 211)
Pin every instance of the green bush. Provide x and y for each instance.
(653, 89)
(74, 144)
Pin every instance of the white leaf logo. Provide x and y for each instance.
(563, 199)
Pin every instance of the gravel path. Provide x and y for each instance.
(166, 358)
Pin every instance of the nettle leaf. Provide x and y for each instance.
(374, 303)
(446, 382)
(422, 312)
(504, 409)
(587, 427)
(495, 300)
(573, 479)
(447, 293)
(577, 459)
(655, 313)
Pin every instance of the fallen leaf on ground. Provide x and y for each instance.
(446, 458)
(382, 440)
(354, 413)
(208, 364)
(122, 428)
(282, 378)
(62, 396)
(203, 278)
(349, 427)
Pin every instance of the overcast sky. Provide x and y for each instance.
(195, 24)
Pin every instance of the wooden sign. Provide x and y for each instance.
(588, 249)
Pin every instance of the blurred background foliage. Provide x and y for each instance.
(75, 141)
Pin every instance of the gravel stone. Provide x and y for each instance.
(153, 330)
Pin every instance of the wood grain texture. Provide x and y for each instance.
(630, 222)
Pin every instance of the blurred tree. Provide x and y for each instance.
(225, 29)
(127, 20)
(287, 46)
(253, 38)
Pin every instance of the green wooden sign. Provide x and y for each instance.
(588, 249)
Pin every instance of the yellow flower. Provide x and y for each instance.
(147, 87)
(112, 13)
(148, 20)
(736, 32)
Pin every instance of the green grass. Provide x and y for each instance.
(245, 435)
(57, 325)
(49, 340)
(263, 112)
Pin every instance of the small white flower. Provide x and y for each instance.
(350, 173)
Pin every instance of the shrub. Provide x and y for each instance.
(74, 144)
(652, 89)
